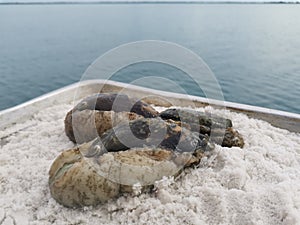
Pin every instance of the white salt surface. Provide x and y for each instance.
(259, 184)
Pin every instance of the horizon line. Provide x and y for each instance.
(147, 2)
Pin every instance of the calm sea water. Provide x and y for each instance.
(253, 50)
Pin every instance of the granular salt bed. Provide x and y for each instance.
(259, 184)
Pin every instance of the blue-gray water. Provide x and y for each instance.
(254, 50)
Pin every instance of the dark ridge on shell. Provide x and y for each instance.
(117, 103)
(68, 127)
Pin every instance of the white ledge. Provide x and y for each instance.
(22, 112)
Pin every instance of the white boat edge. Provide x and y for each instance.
(22, 112)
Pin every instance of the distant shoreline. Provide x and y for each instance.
(143, 2)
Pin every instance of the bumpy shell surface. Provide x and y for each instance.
(86, 125)
(152, 132)
(229, 138)
(194, 117)
(74, 182)
(99, 110)
(77, 181)
(218, 128)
